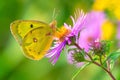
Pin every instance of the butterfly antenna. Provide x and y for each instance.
(55, 13)
(53, 24)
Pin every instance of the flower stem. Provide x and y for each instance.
(80, 70)
(100, 60)
(110, 74)
(100, 65)
(81, 49)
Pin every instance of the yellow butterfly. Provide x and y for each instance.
(34, 37)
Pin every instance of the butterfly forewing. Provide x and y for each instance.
(20, 28)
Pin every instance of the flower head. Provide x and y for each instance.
(100, 47)
(75, 56)
(64, 34)
(87, 38)
(92, 30)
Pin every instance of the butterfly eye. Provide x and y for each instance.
(31, 25)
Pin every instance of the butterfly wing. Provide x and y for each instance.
(34, 37)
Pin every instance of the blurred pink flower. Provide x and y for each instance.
(92, 30)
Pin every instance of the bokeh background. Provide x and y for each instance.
(15, 66)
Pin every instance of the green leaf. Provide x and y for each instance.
(114, 55)
(106, 46)
(81, 68)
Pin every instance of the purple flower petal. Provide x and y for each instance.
(54, 53)
(78, 25)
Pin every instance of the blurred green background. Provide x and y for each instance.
(15, 66)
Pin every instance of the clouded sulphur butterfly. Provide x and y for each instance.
(34, 37)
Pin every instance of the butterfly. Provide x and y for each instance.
(34, 37)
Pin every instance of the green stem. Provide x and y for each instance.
(109, 73)
(105, 69)
(108, 64)
(100, 60)
(80, 70)
(81, 49)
